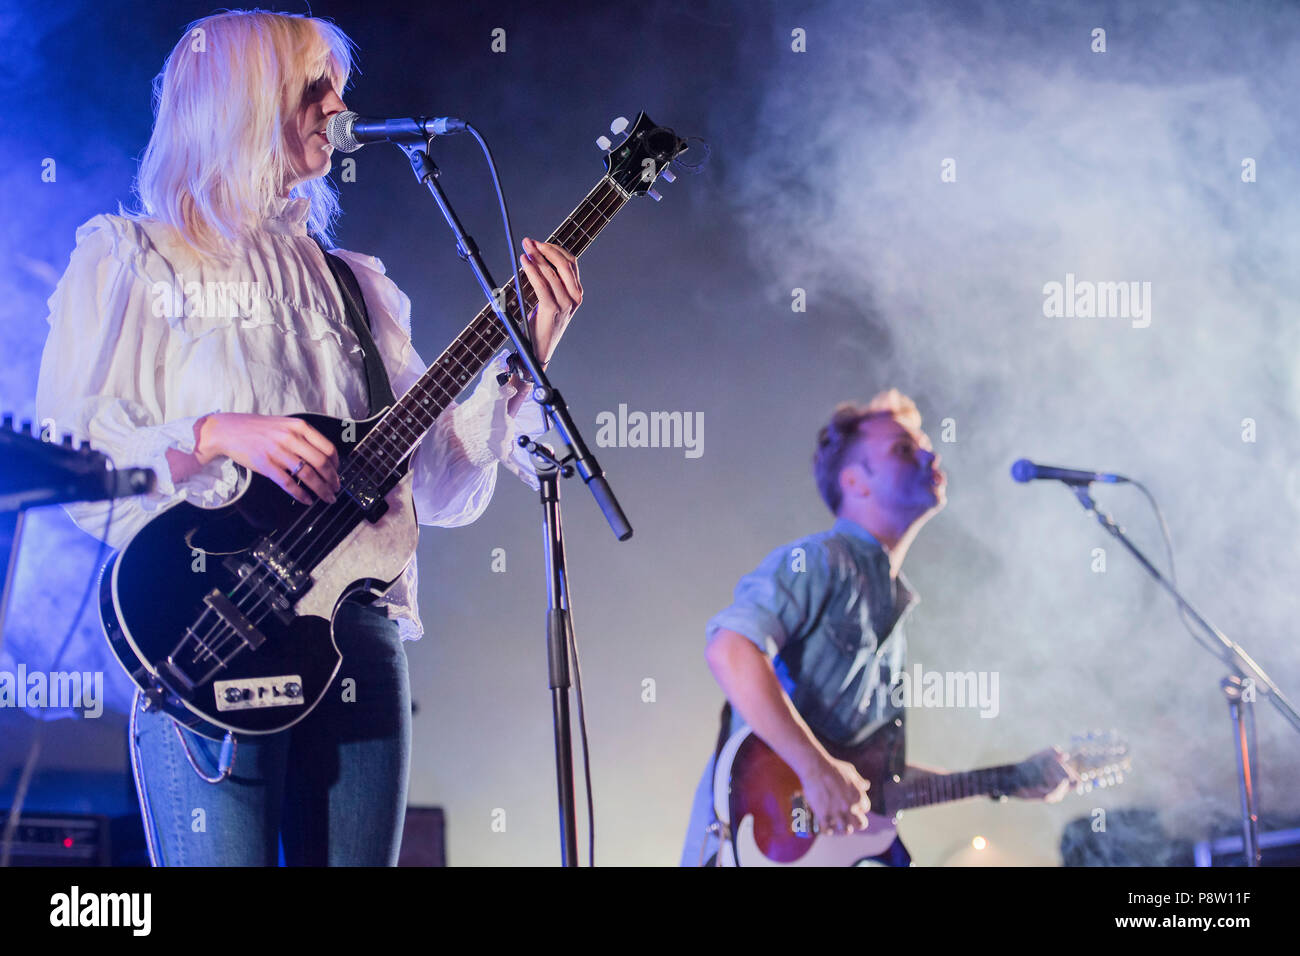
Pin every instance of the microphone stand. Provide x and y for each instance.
(1237, 687)
(579, 456)
(559, 631)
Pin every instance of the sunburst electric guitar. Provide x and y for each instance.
(246, 644)
(765, 820)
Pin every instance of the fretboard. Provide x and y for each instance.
(928, 789)
(400, 430)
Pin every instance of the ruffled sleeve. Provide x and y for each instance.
(454, 465)
(102, 378)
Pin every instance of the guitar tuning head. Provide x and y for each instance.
(618, 125)
(603, 143)
(668, 175)
(653, 194)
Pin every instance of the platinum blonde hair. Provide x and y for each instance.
(227, 95)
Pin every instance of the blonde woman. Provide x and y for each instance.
(231, 195)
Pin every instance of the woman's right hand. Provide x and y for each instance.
(272, 445)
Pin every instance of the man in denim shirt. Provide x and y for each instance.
(813, 641)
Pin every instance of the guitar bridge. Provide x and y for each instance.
(225, 608)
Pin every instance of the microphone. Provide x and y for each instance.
(348, 132)
(1026, 470)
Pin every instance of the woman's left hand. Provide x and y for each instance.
(552, 272)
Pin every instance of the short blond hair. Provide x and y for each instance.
(838, 437)
(217, 156)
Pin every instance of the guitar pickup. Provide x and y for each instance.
(273, 558)
(364, 491)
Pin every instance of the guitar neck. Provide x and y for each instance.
(929, 789)
(400, 430)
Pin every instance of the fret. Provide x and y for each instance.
(928, 789)
(572, 240)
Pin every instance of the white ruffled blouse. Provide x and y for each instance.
(137, 354)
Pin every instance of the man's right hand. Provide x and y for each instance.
(834, 790)
(272, 445)
(836, 795)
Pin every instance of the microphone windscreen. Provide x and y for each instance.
(1024, 470)
(339, 132)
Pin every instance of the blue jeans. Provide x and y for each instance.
(331, 789)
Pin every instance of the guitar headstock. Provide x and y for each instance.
(642, 156)
(1100, 759)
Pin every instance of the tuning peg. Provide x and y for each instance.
(619, 124)
(668, 175)
(67, 439)
(653, 195)
(603, 143)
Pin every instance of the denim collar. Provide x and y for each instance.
(853, 530)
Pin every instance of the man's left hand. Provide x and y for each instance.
(1050, 768)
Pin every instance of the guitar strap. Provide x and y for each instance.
(724, 731)
(379, 391)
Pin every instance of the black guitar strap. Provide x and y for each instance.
(379, 390)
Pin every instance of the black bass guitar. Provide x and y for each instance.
(224, 617)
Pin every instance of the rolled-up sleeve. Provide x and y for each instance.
(775, 602)
(102, 379)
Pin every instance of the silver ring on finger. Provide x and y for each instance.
(297, 468)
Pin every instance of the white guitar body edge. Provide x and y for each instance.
(378, 547)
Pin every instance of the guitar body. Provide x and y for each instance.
(172, 642)
(759, 799)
